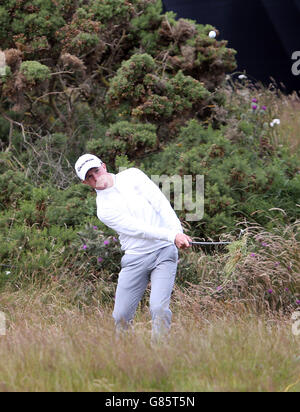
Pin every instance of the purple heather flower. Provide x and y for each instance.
(298, 302)
(95, 227)
(286, 289)
(253, 255)
(270, 291)
(106, 242)
(254, 100)
(84, 247)
(276, 264)
(100, 259)
(254, 107)
(264, 108)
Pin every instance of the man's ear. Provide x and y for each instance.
(104, 166)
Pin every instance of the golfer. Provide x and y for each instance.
(149, 232)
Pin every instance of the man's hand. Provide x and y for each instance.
(182, 241)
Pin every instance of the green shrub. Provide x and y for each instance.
(124, 139)
(35, 71)
(14, 188)
(71, 207)
(153, 97)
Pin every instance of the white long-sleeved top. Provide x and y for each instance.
(139, 212)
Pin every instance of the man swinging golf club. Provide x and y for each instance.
(149, 233)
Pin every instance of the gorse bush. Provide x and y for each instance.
(125, 139)
(38, 227)
(238, 179)
(151, 97)
(82, 46)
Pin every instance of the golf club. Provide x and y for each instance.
(216, 243)
(210, 243)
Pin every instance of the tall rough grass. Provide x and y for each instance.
(51, 345)
(232, 328)
(261, 271)
(290, 123)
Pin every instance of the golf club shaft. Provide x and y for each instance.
(210, 243)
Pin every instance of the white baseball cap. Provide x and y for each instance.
(85, 163)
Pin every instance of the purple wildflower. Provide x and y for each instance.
(264, 108)
(286, 289)
(100, 259)
(106, 242)
(84, 247)
(219, 288)
(298, 302)
(114, 239)
(254, 106)
(254, 100)
(264, 244)
(270, 291)
(253, 255)
(95, 227)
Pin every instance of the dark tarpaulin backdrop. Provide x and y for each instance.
(265, 33)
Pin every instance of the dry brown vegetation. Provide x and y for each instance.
(52, 346)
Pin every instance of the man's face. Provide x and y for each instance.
(98, 178)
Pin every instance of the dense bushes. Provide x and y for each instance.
(142, 93)
(124, 139)
(238, 180)
(38, 227)
(62, 54)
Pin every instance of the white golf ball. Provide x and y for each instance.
(212, 34)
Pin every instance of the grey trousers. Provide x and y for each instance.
(160, 268)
